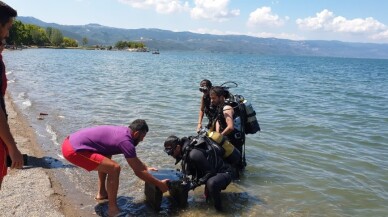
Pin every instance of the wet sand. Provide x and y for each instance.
(33, 190)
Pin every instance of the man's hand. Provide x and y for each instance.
(17, 159)
(152, 169)
(163, 187)
(199, 127)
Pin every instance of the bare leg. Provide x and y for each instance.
(112, 169)
(102, 193)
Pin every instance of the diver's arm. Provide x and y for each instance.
(141, 171)
(201, 114)
(228, 114)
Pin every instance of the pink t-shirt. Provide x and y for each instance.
(105, 140)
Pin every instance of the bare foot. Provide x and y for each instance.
(112, 212)
(101, 196)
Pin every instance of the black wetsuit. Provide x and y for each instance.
(209, 111)
(206, 167)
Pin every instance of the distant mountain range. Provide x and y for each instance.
(188, 41)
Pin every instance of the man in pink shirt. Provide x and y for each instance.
(92, 149)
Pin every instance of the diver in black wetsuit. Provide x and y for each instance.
(203, 163)
(206, 108)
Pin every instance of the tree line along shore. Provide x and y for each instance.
(28, 35)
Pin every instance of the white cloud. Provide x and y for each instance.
(380, 36)
(325, 20)
(264, 17)
(215, 10)
(341, 24)
(160, 6)
(317, 22)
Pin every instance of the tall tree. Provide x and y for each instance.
(84, 41)
(37, 35)
(49, 32)
(18, 34)
(68, 42)
(56, 37)
(121, 45)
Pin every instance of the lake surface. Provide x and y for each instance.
(323, 149)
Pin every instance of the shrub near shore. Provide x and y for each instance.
(29, 35)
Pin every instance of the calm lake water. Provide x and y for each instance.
(322, 150)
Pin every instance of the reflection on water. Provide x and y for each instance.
(234, 202)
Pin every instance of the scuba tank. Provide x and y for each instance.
(237, 124)
(232, 155)
(252, 125)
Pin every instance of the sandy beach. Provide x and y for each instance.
(31, 191)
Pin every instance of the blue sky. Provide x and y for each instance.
(344, 20)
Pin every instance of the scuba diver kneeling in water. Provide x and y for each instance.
(203, 163)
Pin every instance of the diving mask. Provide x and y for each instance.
(203, 89)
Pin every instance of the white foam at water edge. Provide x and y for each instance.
(54, 137)
(22, 95)
(10, 81)
(39, 134)
(26, 104)
(8, 72)
(60, 156)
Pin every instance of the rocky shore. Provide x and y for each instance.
(31, 191)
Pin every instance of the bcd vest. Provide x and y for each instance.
(237, 136)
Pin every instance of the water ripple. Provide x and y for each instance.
(322, 150)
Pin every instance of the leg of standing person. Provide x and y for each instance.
(93, 161)
(102, 193)
(214, 185)
(112, 169)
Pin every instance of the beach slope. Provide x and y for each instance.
(30, 191)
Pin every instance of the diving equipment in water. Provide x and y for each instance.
(232, 155)
(178, 188)
(252, 125)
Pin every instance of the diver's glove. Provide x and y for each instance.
(201, 181)
(204, 179)
(202, 131)
(193, 185)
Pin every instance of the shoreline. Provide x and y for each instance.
(33, 190)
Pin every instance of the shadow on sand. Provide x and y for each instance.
(45, 162)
